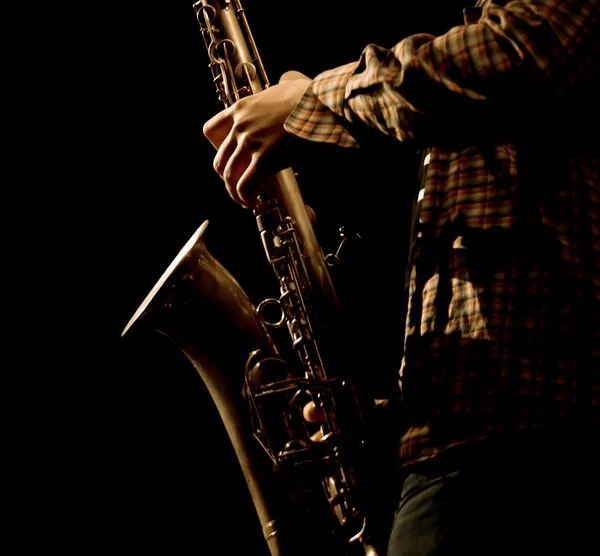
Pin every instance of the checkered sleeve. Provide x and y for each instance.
(498, 67)
(315, 120)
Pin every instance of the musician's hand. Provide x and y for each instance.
(314, 414)
(250, 139)
(382, 419)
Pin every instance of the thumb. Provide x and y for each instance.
(313, 413)
(292, 75)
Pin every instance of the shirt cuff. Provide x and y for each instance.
(319, 116)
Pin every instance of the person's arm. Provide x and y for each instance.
(513, 69)
(516, 61)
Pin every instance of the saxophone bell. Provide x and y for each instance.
(197, 304)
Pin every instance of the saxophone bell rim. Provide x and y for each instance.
(165, 276)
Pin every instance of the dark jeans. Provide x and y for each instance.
(515, 498)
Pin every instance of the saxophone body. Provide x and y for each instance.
(304, 478)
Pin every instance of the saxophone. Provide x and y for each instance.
(304, 479)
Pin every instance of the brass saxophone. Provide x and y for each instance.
(307, 493)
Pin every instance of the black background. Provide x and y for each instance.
(119, 448)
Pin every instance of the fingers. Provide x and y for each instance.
(312, 413)
(225, 152)
(239, 175)
(218, 127)
(246, 189)
(234, 162)
(231, 161)
(226, 164)
(229, 155)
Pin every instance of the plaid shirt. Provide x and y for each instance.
(502, 330)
